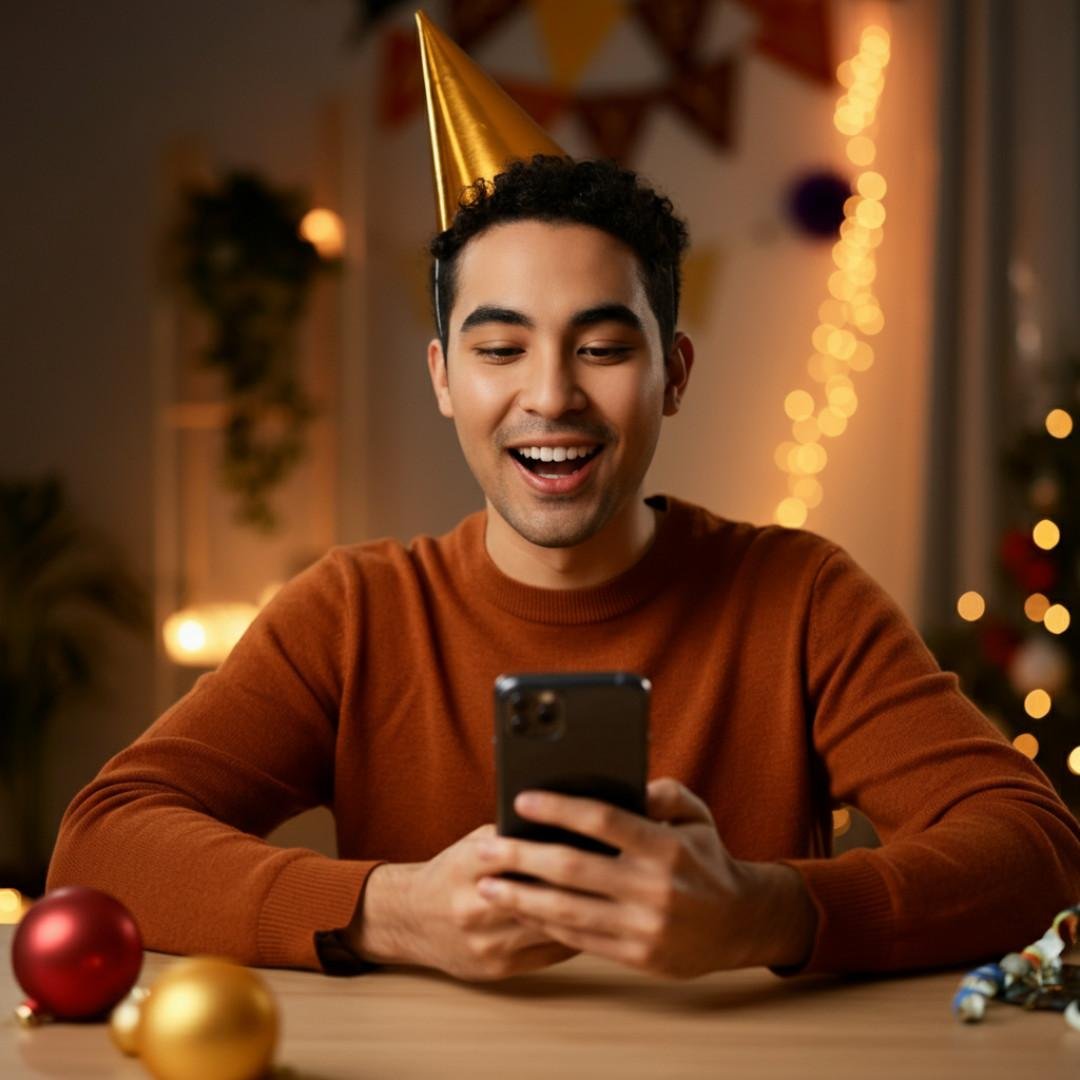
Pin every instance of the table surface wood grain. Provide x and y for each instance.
(590, 1018)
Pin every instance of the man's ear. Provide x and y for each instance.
(677, 372)
(436, 363)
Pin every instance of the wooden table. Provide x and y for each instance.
(590, 1018)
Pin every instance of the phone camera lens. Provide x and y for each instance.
(546, 713)
(518, 722)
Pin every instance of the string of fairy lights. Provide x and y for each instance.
(852, 311)
(1038, 607)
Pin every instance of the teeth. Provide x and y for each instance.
(555, 453)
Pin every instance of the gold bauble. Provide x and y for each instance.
(124, 1020)
(208, 1018)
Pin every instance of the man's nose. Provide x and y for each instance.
(551, 385)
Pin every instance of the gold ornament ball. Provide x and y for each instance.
(124, 1020)
(208, 1019)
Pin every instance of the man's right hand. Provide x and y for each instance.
(431, 914)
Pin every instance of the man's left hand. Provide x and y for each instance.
(673, 902)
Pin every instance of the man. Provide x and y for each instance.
(784, 681)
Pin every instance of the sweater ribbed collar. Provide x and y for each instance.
(591, 604)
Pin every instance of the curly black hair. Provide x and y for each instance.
(558, 189)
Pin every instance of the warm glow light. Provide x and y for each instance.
(861, 150)
(799, 405)
(808, 489)
(1059, 423)
(1074, 760)
(783, 454)
(1056, 619)
(806, 430)
(851, 303)
(831, 422)
(862, 358)
(1037, 704)
(971, 606)
(13, 905)
(871, 185)
(1046, 534)
(190, 635)
(1035, 606)
(791, 513)
(841, 821)
(811, 458)
(203, 636)
(870, 213)
(1027, 744)
(324, 229)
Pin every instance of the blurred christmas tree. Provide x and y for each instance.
(1020, 660)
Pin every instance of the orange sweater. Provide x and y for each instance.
(785, 682)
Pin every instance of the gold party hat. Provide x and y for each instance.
(476, 127)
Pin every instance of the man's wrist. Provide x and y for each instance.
(379, 930)
(783, 918)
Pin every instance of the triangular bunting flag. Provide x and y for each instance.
(673, 24)
(796, 33)
(707, 99)
(545, 105)
(699, 273)
(401, 80)
(471, 20)
(572, 34)
(615, 121)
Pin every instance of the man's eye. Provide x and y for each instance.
(501, 352)
(607, 352)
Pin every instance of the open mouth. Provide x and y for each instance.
(551, 463)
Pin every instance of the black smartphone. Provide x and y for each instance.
(576, 733)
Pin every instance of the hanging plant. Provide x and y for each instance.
(245, 264)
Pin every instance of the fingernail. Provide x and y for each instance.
(489, 886)
(526, 800)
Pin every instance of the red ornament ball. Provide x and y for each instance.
(77, 952)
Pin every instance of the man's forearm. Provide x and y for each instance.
(380, 929)
(783, 920)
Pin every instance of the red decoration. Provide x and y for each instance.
(544, 104)
(76, 952)
(401, 78)
(1017, 548)
(1038, 575)
(472, 20)
(706, 97)
(615, 122)
(795, 33)
(675, 25)
(998, 641)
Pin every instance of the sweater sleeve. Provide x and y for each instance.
(978, 850)
(174, 825)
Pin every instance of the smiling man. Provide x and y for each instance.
(785, 682)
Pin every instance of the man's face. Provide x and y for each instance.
(554, 351)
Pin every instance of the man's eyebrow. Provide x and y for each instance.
(488, 313)
(619, 313)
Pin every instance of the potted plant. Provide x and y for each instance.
(58, 580)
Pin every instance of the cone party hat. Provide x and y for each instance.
(476, 127)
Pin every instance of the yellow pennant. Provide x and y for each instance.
(573, 33)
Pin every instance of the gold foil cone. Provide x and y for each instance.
(476, 127)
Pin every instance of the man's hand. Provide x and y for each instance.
(431, 914)
(673, 902)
